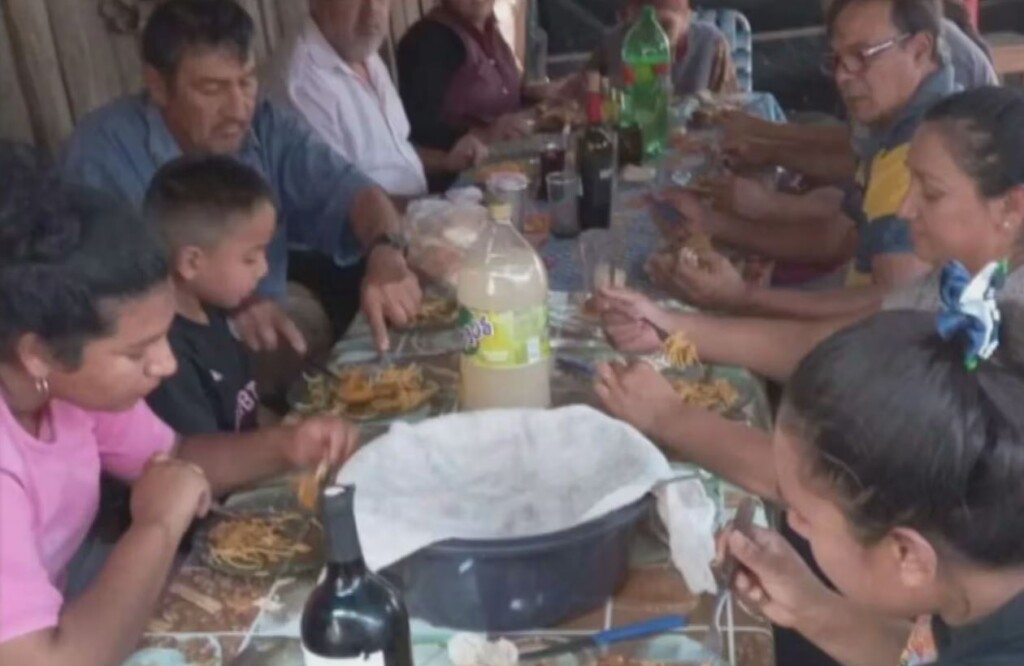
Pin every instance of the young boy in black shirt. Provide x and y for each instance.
(217, 217)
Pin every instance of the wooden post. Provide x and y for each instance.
(260, 41)
(291, 15)
(44, 90)
(14, 119)
(86, 53)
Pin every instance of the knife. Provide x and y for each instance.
(603, 639)
(576, 367)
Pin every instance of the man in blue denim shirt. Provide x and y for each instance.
(202, 97)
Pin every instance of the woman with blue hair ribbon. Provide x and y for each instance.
(906, 484)
(966, 211)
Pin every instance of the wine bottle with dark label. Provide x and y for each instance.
(353, 616)
(596, 160)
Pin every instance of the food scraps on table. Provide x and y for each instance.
(476, 650)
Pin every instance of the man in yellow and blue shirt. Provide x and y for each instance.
(887, 65)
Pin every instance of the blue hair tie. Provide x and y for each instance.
(969, 308)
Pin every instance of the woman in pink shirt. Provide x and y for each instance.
(85, 304)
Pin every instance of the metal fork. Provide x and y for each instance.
(743, 523)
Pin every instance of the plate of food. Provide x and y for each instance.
(369, 392)
(714, 388)
(260, 535)
(435, 312)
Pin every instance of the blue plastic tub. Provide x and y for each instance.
(520, 584)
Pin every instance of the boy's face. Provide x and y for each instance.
(225, 274)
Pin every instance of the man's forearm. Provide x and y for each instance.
(814, 137)
(828, 241)
(102, 626)
(828, 166)
(811, 208)
(236, 460)
(434, 160)
(373, 215)
(733, 451)
(852, 635)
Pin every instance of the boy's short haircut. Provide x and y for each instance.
(195, 200)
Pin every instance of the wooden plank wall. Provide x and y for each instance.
(60, 59)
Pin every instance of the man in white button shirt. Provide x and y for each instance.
(332, 75)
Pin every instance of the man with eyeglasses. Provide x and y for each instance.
(885, 61)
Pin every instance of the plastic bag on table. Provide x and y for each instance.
(439, 233)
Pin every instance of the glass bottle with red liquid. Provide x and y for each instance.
(597, 162)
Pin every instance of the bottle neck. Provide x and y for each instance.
(341, 535)
(346, 574)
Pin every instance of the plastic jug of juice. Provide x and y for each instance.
(503, 320)
(647, 58)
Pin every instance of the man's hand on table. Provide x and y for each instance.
(711, 282)
(390, 293)
(316, 439)
(691, 209)
(263, 326)
(774, 580)
(470, 151)
(748, 198)
(170, 493)
(625, 315)
(637, 394)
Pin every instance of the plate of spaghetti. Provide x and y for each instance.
(367, 393)
(262, 543)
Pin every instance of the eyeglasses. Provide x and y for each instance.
(857, 61)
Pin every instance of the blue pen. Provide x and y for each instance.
(603, 639)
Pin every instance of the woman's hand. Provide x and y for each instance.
(710, 282)
(170, 493)
(625, 315)
(637, 394)
(774, 580)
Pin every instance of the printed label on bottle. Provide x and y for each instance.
(643, 74)
(310, 659)
(505, 340)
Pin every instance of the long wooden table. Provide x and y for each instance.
(207, 618)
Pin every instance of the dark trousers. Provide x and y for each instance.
(336, 288)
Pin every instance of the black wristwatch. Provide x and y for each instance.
(391, 239)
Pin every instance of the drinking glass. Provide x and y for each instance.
(563, 195)
(603, 258)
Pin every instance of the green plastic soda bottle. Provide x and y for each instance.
(647, 61)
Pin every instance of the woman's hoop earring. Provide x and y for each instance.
(43, 387)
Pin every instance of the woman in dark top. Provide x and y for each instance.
(457, 74)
